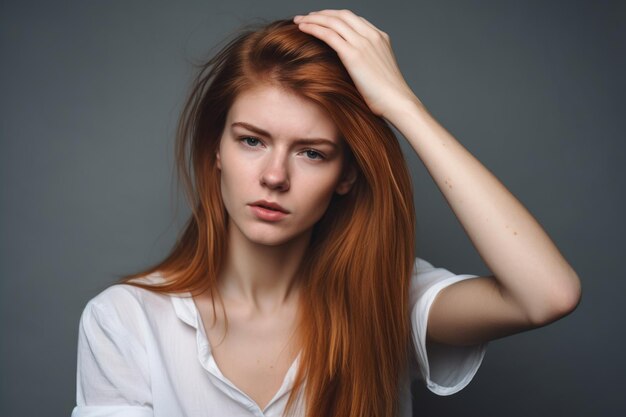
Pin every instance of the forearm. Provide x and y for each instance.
(526, 263)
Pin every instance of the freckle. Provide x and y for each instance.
(515, 233)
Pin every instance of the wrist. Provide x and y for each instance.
(406, 107)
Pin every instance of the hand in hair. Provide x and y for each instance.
(366, 53)
(532, 283)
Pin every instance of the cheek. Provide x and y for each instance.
(232, 180)
(232, 166)
(318, 188)
(224, 190)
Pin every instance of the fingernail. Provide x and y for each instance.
(297, 17)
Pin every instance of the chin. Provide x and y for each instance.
(263, 236)
(269, 239)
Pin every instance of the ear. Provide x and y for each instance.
(219, 161)
(347, 180)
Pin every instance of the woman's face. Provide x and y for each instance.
(284, 149)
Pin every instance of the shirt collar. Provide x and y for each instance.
(183, 304)
(185, 309)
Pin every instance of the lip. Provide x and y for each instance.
(266, 214)
(271, 205)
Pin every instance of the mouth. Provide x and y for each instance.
(267, 213)
(267, 205)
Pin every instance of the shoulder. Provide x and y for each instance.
(427, 280)
(121, 296)
(423, 267)
(123, 307)
(424, 273)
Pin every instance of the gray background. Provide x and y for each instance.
(90, 93)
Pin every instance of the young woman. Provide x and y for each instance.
(294, 288)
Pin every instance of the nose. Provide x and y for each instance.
(275, 174)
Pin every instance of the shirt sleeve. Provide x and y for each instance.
(113, 376)
(445, 369)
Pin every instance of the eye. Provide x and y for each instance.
(311, 154)
(250, 141)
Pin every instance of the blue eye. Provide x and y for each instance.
(250, 141)
(314, 154)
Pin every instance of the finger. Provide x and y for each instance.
(368, 23)
(358, 23)
(332, 38)
(334, 23)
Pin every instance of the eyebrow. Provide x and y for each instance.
(308, 141)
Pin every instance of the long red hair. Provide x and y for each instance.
(355, 327)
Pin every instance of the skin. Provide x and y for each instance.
(300, 177)
(532, 284)
(258, 284)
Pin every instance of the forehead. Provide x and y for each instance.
(282, 113)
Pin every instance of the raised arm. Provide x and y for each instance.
(532, 284)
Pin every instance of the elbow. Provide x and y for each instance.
(568, 299)
(564, 299)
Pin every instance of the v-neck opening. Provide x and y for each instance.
(208, 362)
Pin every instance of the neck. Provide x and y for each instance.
(262, 277)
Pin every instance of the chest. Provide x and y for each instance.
(254, 352)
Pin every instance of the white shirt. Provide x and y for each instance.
(145, 354)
